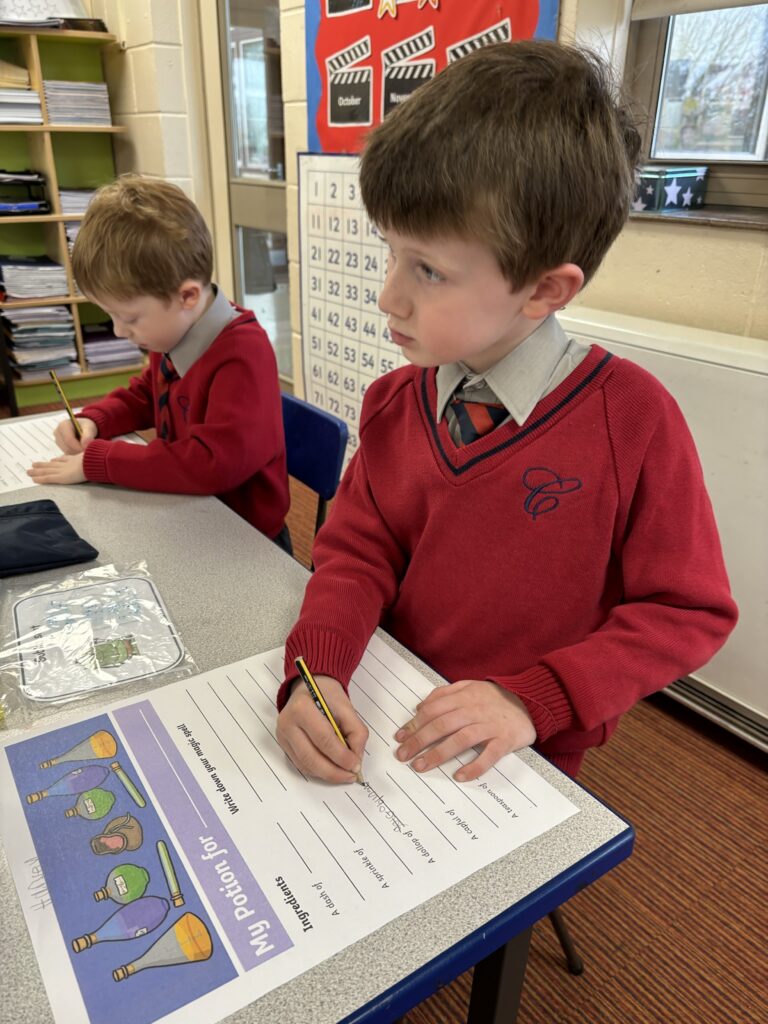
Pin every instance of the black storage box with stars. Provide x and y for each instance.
(669, 188)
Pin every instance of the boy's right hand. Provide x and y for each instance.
(308, 738)
(65, 437)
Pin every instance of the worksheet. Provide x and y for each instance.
(29, 439)
(173, 865)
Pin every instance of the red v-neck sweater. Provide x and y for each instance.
(226, 429)
(574, 560)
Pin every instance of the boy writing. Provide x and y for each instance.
(524, 512)
(144, 255)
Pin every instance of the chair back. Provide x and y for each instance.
(315, 442)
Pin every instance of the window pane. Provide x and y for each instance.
(712, 102)
(257, 100)
(264, 287)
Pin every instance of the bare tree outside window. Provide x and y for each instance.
(712, 101)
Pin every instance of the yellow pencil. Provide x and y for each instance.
(321, 705)
(75, 425)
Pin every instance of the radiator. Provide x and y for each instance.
(721, 383)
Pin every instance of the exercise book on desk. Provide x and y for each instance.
(29, 439)
(173, 865)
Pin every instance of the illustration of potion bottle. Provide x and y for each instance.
(92, 804)
(171, 879)
(121, 834)
(77, 781)
(124, 884)
(186, 942)
(130, 786)
(129, 922)
(99, 744)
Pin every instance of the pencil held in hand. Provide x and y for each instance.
(321, 705)
(75, 425)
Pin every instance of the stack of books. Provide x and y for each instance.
(103, 351)
(31, 277)
(77, 102)
(71, 228)
(39, 340)
(12, 76)
(20, 106)
(75, 200)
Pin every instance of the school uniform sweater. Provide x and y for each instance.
(593, 573)
(226, 429)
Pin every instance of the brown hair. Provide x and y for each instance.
(523, 146)
(141, 236)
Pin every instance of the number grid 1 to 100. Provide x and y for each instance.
(345, 341)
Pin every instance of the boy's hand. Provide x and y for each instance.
(308, 738)
(65, 469)
(456, 718)
(65, 437)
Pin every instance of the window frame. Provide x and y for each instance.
(730, 183)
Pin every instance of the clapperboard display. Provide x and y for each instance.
(501, 32)
(345, 341)
(337, 7)
(349, 88)
(402, 72)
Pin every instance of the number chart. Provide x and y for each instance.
(345, 341)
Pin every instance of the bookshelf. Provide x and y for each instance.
(69, 156)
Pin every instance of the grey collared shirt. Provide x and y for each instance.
(203, 332)
(520, 380)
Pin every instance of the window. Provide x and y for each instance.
(699, 82)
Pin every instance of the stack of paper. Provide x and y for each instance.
(40, 339)
(32, 277)
(12, 76)
(71, 228)
(77, 102)
(20, 106)
(103, 350)
(75, 200)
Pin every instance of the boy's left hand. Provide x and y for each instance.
(456, 718)
(65, 469)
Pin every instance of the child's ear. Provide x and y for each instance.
(552, 290)
(189, 293)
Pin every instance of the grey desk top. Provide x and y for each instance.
(232, 593)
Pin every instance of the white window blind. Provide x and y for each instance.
(644, 9)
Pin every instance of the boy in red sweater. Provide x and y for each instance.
(524, 512)
(144, 255)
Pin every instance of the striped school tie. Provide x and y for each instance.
(475, 419)
(168, 375)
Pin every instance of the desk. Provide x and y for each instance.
(231, 593)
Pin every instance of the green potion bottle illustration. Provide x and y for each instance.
(130, 787)
(129, 922)
(92, 804)
(124, 884)
(77, 781)
(171, 879)
(98, 744)
(186, 942)
(109, 652)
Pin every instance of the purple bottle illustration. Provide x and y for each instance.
(129, 922)
(77, 781)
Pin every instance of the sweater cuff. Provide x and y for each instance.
(544, 698)
(93, 412)
(326, 654)
(95, 462)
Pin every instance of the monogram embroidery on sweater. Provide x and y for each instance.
(546, 487)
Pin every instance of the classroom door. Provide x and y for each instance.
(249, 35)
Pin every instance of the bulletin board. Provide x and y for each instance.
(366, 56)
(345, 341)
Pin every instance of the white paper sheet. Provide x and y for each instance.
(277, 872)
(29, 439)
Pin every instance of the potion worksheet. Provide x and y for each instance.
(173, 865)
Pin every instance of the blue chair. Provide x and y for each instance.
(315, 442)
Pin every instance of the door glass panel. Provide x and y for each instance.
(264, 288)
(258, 149)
